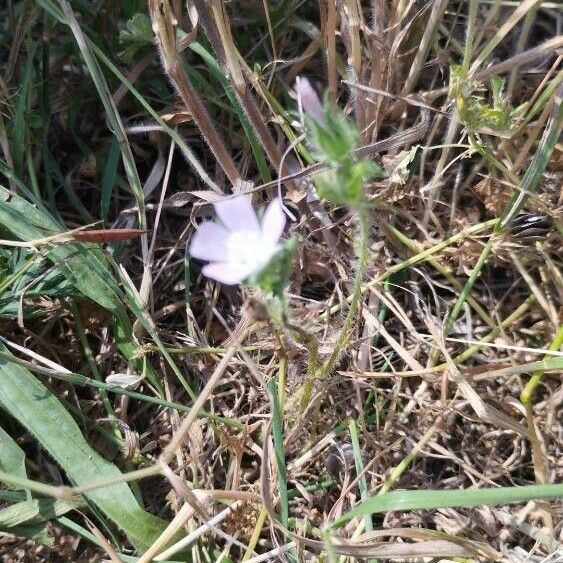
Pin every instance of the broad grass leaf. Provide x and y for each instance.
(84, 265)
(12, 457)
(36, 408)
(36, 510)
(36, 532)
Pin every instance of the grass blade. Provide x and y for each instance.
(358, 462)
(277, 433)
(12, 457)
(431, 500)
(36, 510)
(83, 264)
(36, 408)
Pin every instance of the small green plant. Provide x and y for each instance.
(334, 139)
(136, 37)
(472, 108)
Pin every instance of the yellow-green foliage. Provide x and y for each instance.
(473, 108)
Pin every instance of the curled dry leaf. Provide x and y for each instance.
(124, 380)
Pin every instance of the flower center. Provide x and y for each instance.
(248, 247)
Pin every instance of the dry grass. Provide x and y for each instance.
(460, 303)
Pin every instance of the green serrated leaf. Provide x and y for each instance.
(344, 185)
(139, 30)
(334, 140)
(473, 110)
(138, 34)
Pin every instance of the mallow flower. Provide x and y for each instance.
(240, 245)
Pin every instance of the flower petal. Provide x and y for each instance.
(229, 273)
(237, 213)
(309, 99)
(273, 222)
(210, 242)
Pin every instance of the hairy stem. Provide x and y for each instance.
(320, 373)
(356, 295)
(323, 371)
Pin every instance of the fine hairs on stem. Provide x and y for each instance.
(327, 367)
(334, 140)
(362, 252)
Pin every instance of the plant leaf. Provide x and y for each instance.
(36, 408)
(12, 457)
(36, 510)
(84, 265)
(36, 532)
(416, 500)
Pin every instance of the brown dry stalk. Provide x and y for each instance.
(483, 409)
(179, 521)
(328, 29)
(351, 23)
(230, 59)
(218, 30)
(164, 26)
(378, 68)
(351, 19)
(431, 28)
(201, 399)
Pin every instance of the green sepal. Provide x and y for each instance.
(334, 140)
(344, 185)
(274, 277)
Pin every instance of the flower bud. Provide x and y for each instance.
(309, 100)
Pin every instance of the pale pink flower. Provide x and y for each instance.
(239, 246)
(309, 100)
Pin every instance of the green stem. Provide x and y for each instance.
(539, 460)
(356, 295)
(41, 488)
(310, 341)
(81, 380)
(512, 319)
(526, 186)
(420, 257)
(466, 291)
(93, 365)
(416, 248)
(462, 298)
(282, 377)
(312, 370)
(277, 434)
(362, 482)
(528, 391)
(468, 50)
